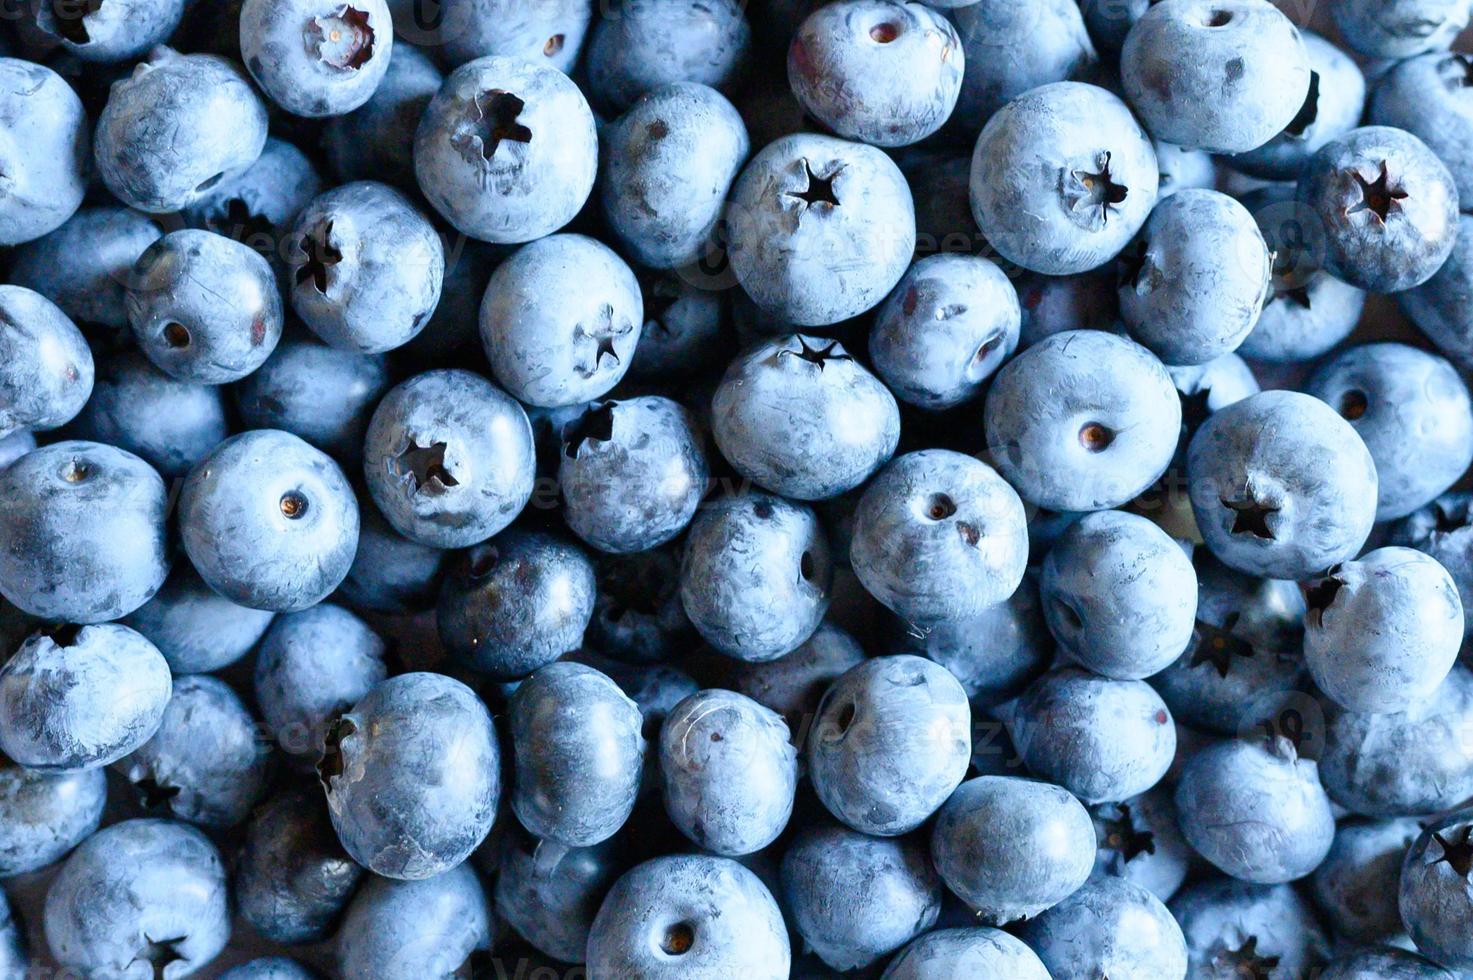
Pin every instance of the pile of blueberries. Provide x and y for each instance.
(692, 489)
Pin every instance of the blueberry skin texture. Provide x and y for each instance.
(642, 45)
(1062, 178)
(1413, 412)
(560, 320)
(85, 539)
(516, 603)
(46, 367)
(255, 206)
(292, 878)
(390, 573)
(320, 393)
(136, 407)
(1442, 307)
(729, 771)
(203, 95)
(270, 968)
(313, 58)
(45, 152)
(1384, 963)
(1233, 925)
(1282, 486)
(1120, 595)
(1139, 842)
(800, 417)
(408, 930)
(668, 164)
(632, 473)
(1103, 740)
(366, 268)
(579, 753)
(692, 917)
(1193, 283)
(1109, 927)
(513, 188)
(16, 445)
(13, 958)
(939, 536)
(950, 323)
(1428, 97)
(311, 666)
(978, 952)
(268, 521)
(756, 576)
(204, 309)
(820, 229)
(45, 815)
(1388, 207)
(855, 899)
(1441, 530)
(129, 883)
(1205, 388)
(196, 629)
(1012, 847)
(1308, 311)
(550, 894)
(1404, 764)
(1356, 886)
(1399, 28)
(412, 775)
(449, 458)
(1013, 47)
(1434, 899)
(83, 266)
(376, 140)
(1054, 304)
(111, 33)
(550, 33)
(1082, 421)
(794, 684)
(877, 71)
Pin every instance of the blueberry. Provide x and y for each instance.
(390, 573)
(1054, 304)
(412, 775)
(949, 325)
(1138, 840)
(550, 893)
(1384, 963)
(938, 179)
(883, 72)
(1083, 420)
(820, 229)
(1110, 927)
(978, 952)
(1412, 762)
(170, 424)
(84, 539)
(409, 930)
(322, 394)
(560, 321)
(195, 628)
(737, 578)
(1434, 899)
(687, 329)
(13, 953)
(1110, 21)
(515, 603)
(270, 968)
(530, 31)
(1442, 307)
(1388, 207)
(632, 473)
(1282, 486)
(939, 536)
(1399, 28)
(118, 31)
(177, 127)
(668, 163)
(638, 46)
(149, 892)
(257, 509)
(44, 815)
(316, 58)
(637, 613)
(16, 445)
(376, 140)
(855, 899)
(794, 684)
(1119, 595)
(1440, 530)
(45, 154)
(1428, 97)
(1237, 929)
(46, 367)
(312, 666)
(689, 916)
(448, 458)
(579, 752)
(1205, 388)
(506, 151)
(1193, 283)
(1356, 885)
(255, 206)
